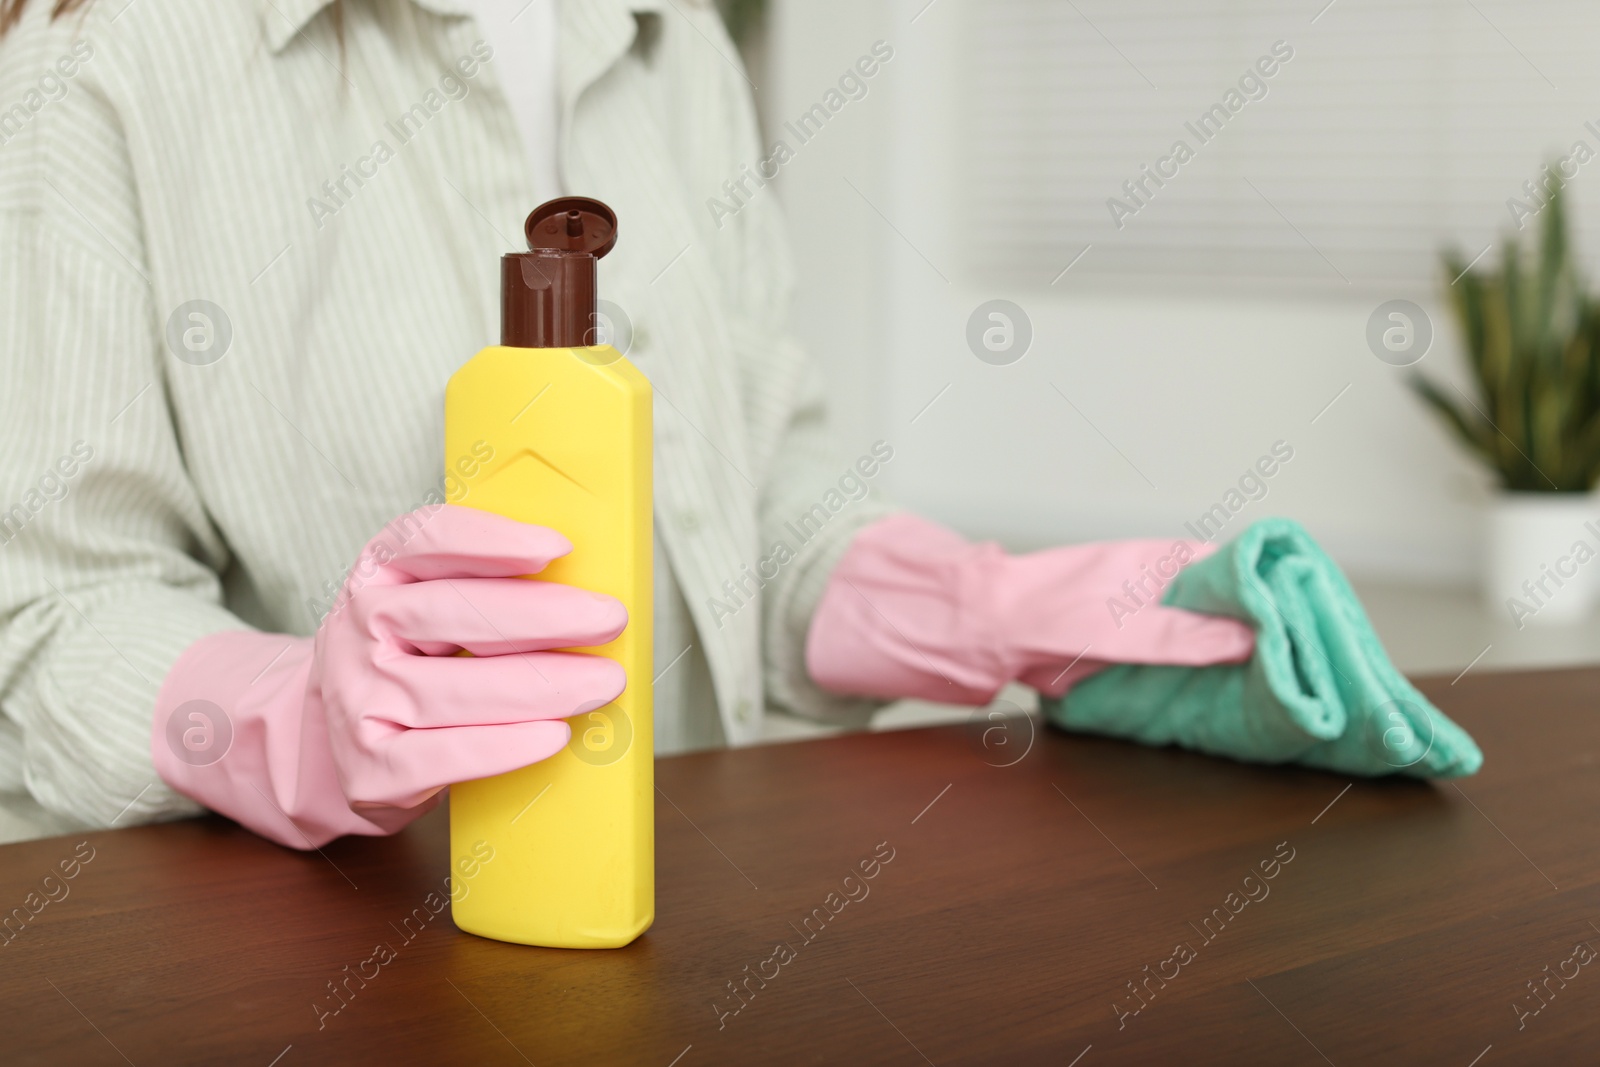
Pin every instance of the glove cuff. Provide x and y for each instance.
(235, 730)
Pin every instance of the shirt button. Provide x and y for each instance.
(743, 710)
(689, 520)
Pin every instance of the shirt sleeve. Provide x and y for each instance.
(108, 563)
(809, 478)
(814, 496)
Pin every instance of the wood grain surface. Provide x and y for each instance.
(1033, 897)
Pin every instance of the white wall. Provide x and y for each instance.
(1191, 386)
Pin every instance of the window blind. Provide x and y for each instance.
(1383, 132)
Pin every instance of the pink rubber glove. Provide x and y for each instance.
(357, 729)
(915, 610)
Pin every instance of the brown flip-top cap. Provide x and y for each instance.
(548, 293)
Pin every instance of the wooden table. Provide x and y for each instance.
(1018, 902)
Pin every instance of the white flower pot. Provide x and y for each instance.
(1543, 558)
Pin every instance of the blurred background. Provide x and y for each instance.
(1279, 287)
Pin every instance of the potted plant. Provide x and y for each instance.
(1532, 337)
(743, 18)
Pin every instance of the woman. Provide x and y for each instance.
(246, 243)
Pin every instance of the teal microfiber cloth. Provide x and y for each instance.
(1319, 689)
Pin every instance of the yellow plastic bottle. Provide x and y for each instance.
(568, 423)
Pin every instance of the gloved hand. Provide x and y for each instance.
(357, 729)
(914, 610)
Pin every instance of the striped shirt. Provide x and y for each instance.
(247, 241)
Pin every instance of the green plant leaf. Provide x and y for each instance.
(1531, 332)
